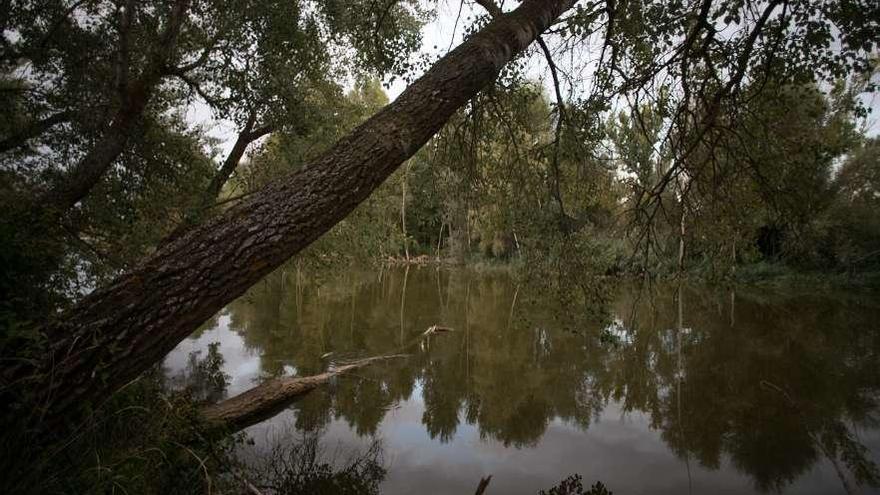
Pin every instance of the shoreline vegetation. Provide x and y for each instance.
(759, 275)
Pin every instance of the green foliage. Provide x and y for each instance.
(854, 220)
(304, 469)
(203, 379)
(573, 485)
(481, 188)
(149, 440)
(782, 179)
(141, 441)
(634, 136)
(508, 159)
(261, 66)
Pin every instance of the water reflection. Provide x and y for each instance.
(774, 386)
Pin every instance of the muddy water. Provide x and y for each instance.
(704, 392)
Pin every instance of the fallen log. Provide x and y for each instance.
(271, 397)
(437, 329)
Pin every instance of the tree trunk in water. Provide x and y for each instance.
(121, 330)
(440, 239)
(267, 399)
(733, 253)
(403, 302)
(732, 308)
(484, 483)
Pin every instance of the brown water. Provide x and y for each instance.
(710, 392)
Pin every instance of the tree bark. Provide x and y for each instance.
(269, 398)
(121, 330)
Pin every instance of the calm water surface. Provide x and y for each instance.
(710, 392)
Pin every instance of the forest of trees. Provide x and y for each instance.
(655, 138)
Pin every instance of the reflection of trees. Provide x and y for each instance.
(203, 377)
(781, 389)
(775, 393)
(304, 467)
(491, 371)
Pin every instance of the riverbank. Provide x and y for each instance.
(771, 275)
(758, 275)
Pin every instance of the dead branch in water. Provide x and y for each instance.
(267, 399)
(484, 482)
(437, 329)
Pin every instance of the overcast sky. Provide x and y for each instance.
(437, 37)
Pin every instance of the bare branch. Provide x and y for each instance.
(193, 85)
(495, 11)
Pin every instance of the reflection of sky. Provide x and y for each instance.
(619, 449)
(242, 365)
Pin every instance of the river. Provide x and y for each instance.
(663, 390)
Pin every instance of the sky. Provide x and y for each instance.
(441, 33)
(445, 32)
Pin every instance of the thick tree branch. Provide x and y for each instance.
(261, 131)
(200, 61)
(33, 130)
(88, 171)
(194, 86)
(247, 136)
(123, 55)
(745, 55)
(490, 7)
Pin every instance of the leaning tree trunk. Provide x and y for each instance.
(121, 330)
